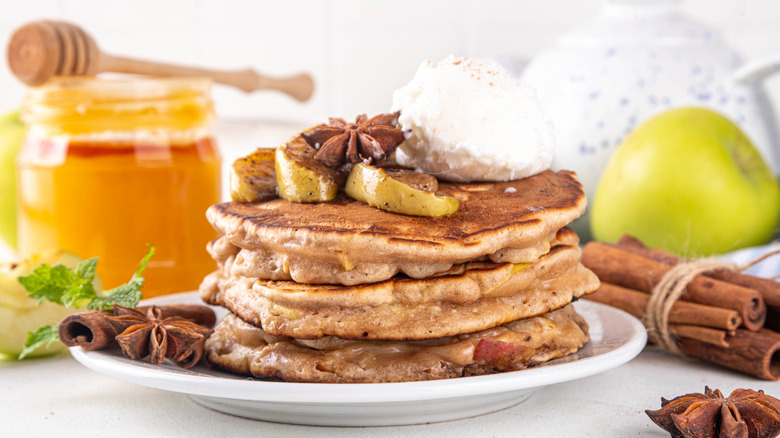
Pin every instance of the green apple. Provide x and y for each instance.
(15, 323)
(20, 314)
(12, 132)
(689, 181)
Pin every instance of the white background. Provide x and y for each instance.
(358, 51)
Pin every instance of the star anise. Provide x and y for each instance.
(366, 140)
(147, 333)
(744, 414)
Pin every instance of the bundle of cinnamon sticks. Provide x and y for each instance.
(723, 317)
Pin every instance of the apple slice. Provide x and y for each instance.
(12, 294)
(300, 178)
(417, 180)
(253, 177)
(375, 187)
(15, 323)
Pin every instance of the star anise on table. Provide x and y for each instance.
(366, 140)
(144, 334)
(744, 414)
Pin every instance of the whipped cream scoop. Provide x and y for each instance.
(470, 120)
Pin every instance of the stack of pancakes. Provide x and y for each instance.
(343, 292)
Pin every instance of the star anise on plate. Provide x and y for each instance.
(147, 333)
(367, 140)
(744, 414)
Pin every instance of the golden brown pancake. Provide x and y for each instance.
(245, 349)
(481, 296)
(462, 283)
(270, 266)
(499, 220)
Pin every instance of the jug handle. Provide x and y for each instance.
(756, 71)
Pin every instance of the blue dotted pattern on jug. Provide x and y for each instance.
(703, 90)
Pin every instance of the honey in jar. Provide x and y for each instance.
(111, 165)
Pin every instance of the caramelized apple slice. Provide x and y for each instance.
(300, 178)
(420, 181)
(376, 188)
(253, 177)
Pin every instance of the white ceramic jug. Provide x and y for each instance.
(636, 59)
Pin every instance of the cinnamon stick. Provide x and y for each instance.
(769, 289)
(635, 303)
(773, 318)
(702, 334)
(753, 353)
(616, 265)
(93, 331)
(90, 330)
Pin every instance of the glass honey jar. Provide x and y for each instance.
(111, 165)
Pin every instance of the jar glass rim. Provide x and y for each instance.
(80, 105)
(140, 86)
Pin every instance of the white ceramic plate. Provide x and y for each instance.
(616, 338)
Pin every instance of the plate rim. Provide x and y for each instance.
(196, 383)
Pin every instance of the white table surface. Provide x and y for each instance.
(60, 397)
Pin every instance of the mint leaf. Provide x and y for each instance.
(142, 264)
(48, 282)
(62, 285)
(73, 288)
(86, 269)
(81, 291)
(41, 337)
(79, 294)
(128, 294)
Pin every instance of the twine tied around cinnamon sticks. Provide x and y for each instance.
(673, 285)
(667, 292)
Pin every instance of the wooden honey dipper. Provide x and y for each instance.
(41, 50)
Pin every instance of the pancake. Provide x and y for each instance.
(483, 296)
(462, 283)
(245, 349)
(318, 243)
(270, 266)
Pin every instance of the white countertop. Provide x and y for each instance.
(60, 397)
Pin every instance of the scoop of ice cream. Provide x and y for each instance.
(470, 120)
